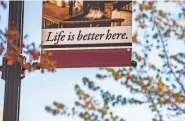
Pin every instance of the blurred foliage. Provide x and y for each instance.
(162, 87)
(35, 59)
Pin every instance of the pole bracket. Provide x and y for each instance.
(134, 63)
(22, 69)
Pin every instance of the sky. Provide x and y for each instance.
(3, 25)
(39, 90)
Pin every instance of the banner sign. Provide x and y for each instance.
(83, 33)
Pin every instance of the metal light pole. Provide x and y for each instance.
(12, 74)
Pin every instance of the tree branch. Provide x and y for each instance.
(168, 62)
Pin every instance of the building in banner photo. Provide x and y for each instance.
(82, 13)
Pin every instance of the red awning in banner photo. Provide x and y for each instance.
(88, 33)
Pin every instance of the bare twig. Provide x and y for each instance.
(168, 62)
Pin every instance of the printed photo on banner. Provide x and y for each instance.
(85, 13)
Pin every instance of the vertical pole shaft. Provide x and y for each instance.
(12, 74)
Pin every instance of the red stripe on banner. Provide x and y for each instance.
(92, 58)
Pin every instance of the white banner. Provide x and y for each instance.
(86, 38)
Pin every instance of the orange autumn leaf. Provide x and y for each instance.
(50, 54)
(15, 37)
(43, 60)
(51, 68)
(10, 62)
(20, 60)
(12, 34)
(60, 106)
(162, 14)
(143, 7)
(134, 38)
(162, 101)
(160, 85)
(8, 57)
(130, 77)
(27, 66)
(180, 99)
(140, 59)
(142, 25)
(138, 17)
(118, 76)
(35, 55)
